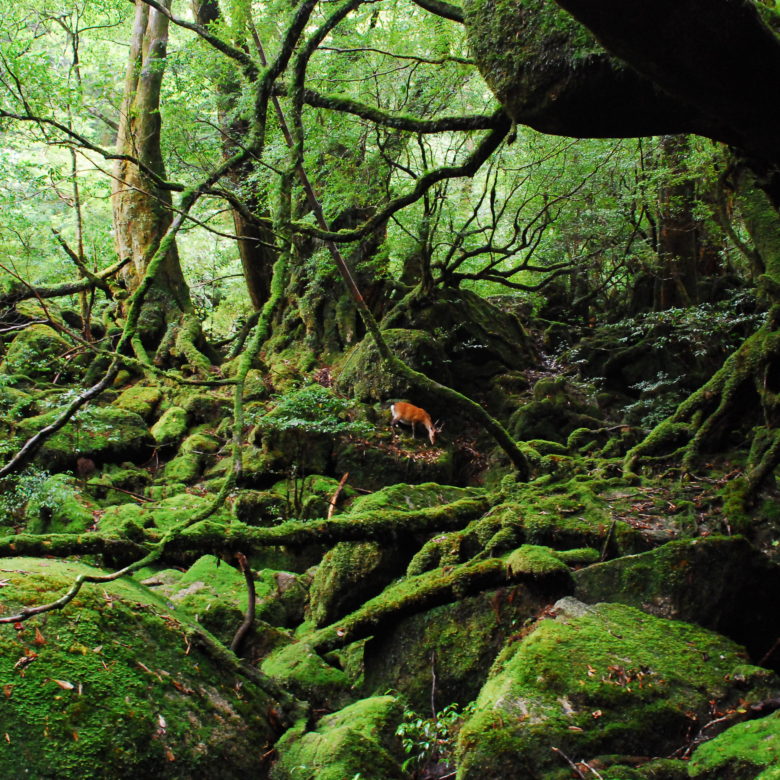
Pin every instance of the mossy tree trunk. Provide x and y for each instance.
(142, 204)
(255, 237)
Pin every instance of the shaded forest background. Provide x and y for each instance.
(233, 233)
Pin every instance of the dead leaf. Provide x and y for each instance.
(39, 640)
(64, 684)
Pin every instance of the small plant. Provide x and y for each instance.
(28, 490)
(430, 740)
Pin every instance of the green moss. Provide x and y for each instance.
(603, 679)
(111, 682)
(37, 352)
(743, 752)
(183, 469)
(171, 426)
(299, 669)
(535, 561)
(357, 741)
(350, 573)
(102, 433)
(140, 400)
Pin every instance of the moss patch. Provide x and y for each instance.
(746, 751)
(357, 741)
(116, 655)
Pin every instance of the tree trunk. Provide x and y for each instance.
(255, 237)
(142, 209)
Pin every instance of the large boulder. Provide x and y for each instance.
(722, 583)
(598, 680)
(110, 683)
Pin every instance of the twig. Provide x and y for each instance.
(335, 497)
(249, 617)
(574, 767)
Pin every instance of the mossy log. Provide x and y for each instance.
(532, 565)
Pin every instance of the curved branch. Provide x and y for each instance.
(399, 121)
(487, 146)
(58, 290)
(442, 8)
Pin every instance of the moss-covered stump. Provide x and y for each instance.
(356, 742)
(365, 377)
(446, 652)
(140, 400)
(747, 751)
(112, 684)
(104, 434)
(722, 583)
(607, 679)
(37, 352)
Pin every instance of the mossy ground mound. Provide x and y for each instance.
(117, 655)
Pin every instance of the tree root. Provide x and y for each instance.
(745, 385)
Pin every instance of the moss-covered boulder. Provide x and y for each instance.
(549, 72)
(604, 679)
(140, 400)
(349, 574)
(171, 426)
(37, 352)
(104, 434)
(712, 581)
(448, 648)
(746, 751)
(357, 741)
(110, 684)
(364, 376)
(298, 668)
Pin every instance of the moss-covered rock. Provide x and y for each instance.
(14, 402)
(364, 376)
(111, 485)
(456, 643)
(712, 581)
(37, 352)
(746, 751)
(300, 670)
(349, 574)
(183, 469)
(140, 400)
(171, 426)
(357, 741)
(104, 434)
(601, 680)
(109, 683)
(549, 72)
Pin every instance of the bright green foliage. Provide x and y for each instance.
(312, 409)
(430, 740)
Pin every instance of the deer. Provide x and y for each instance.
(408, 414)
